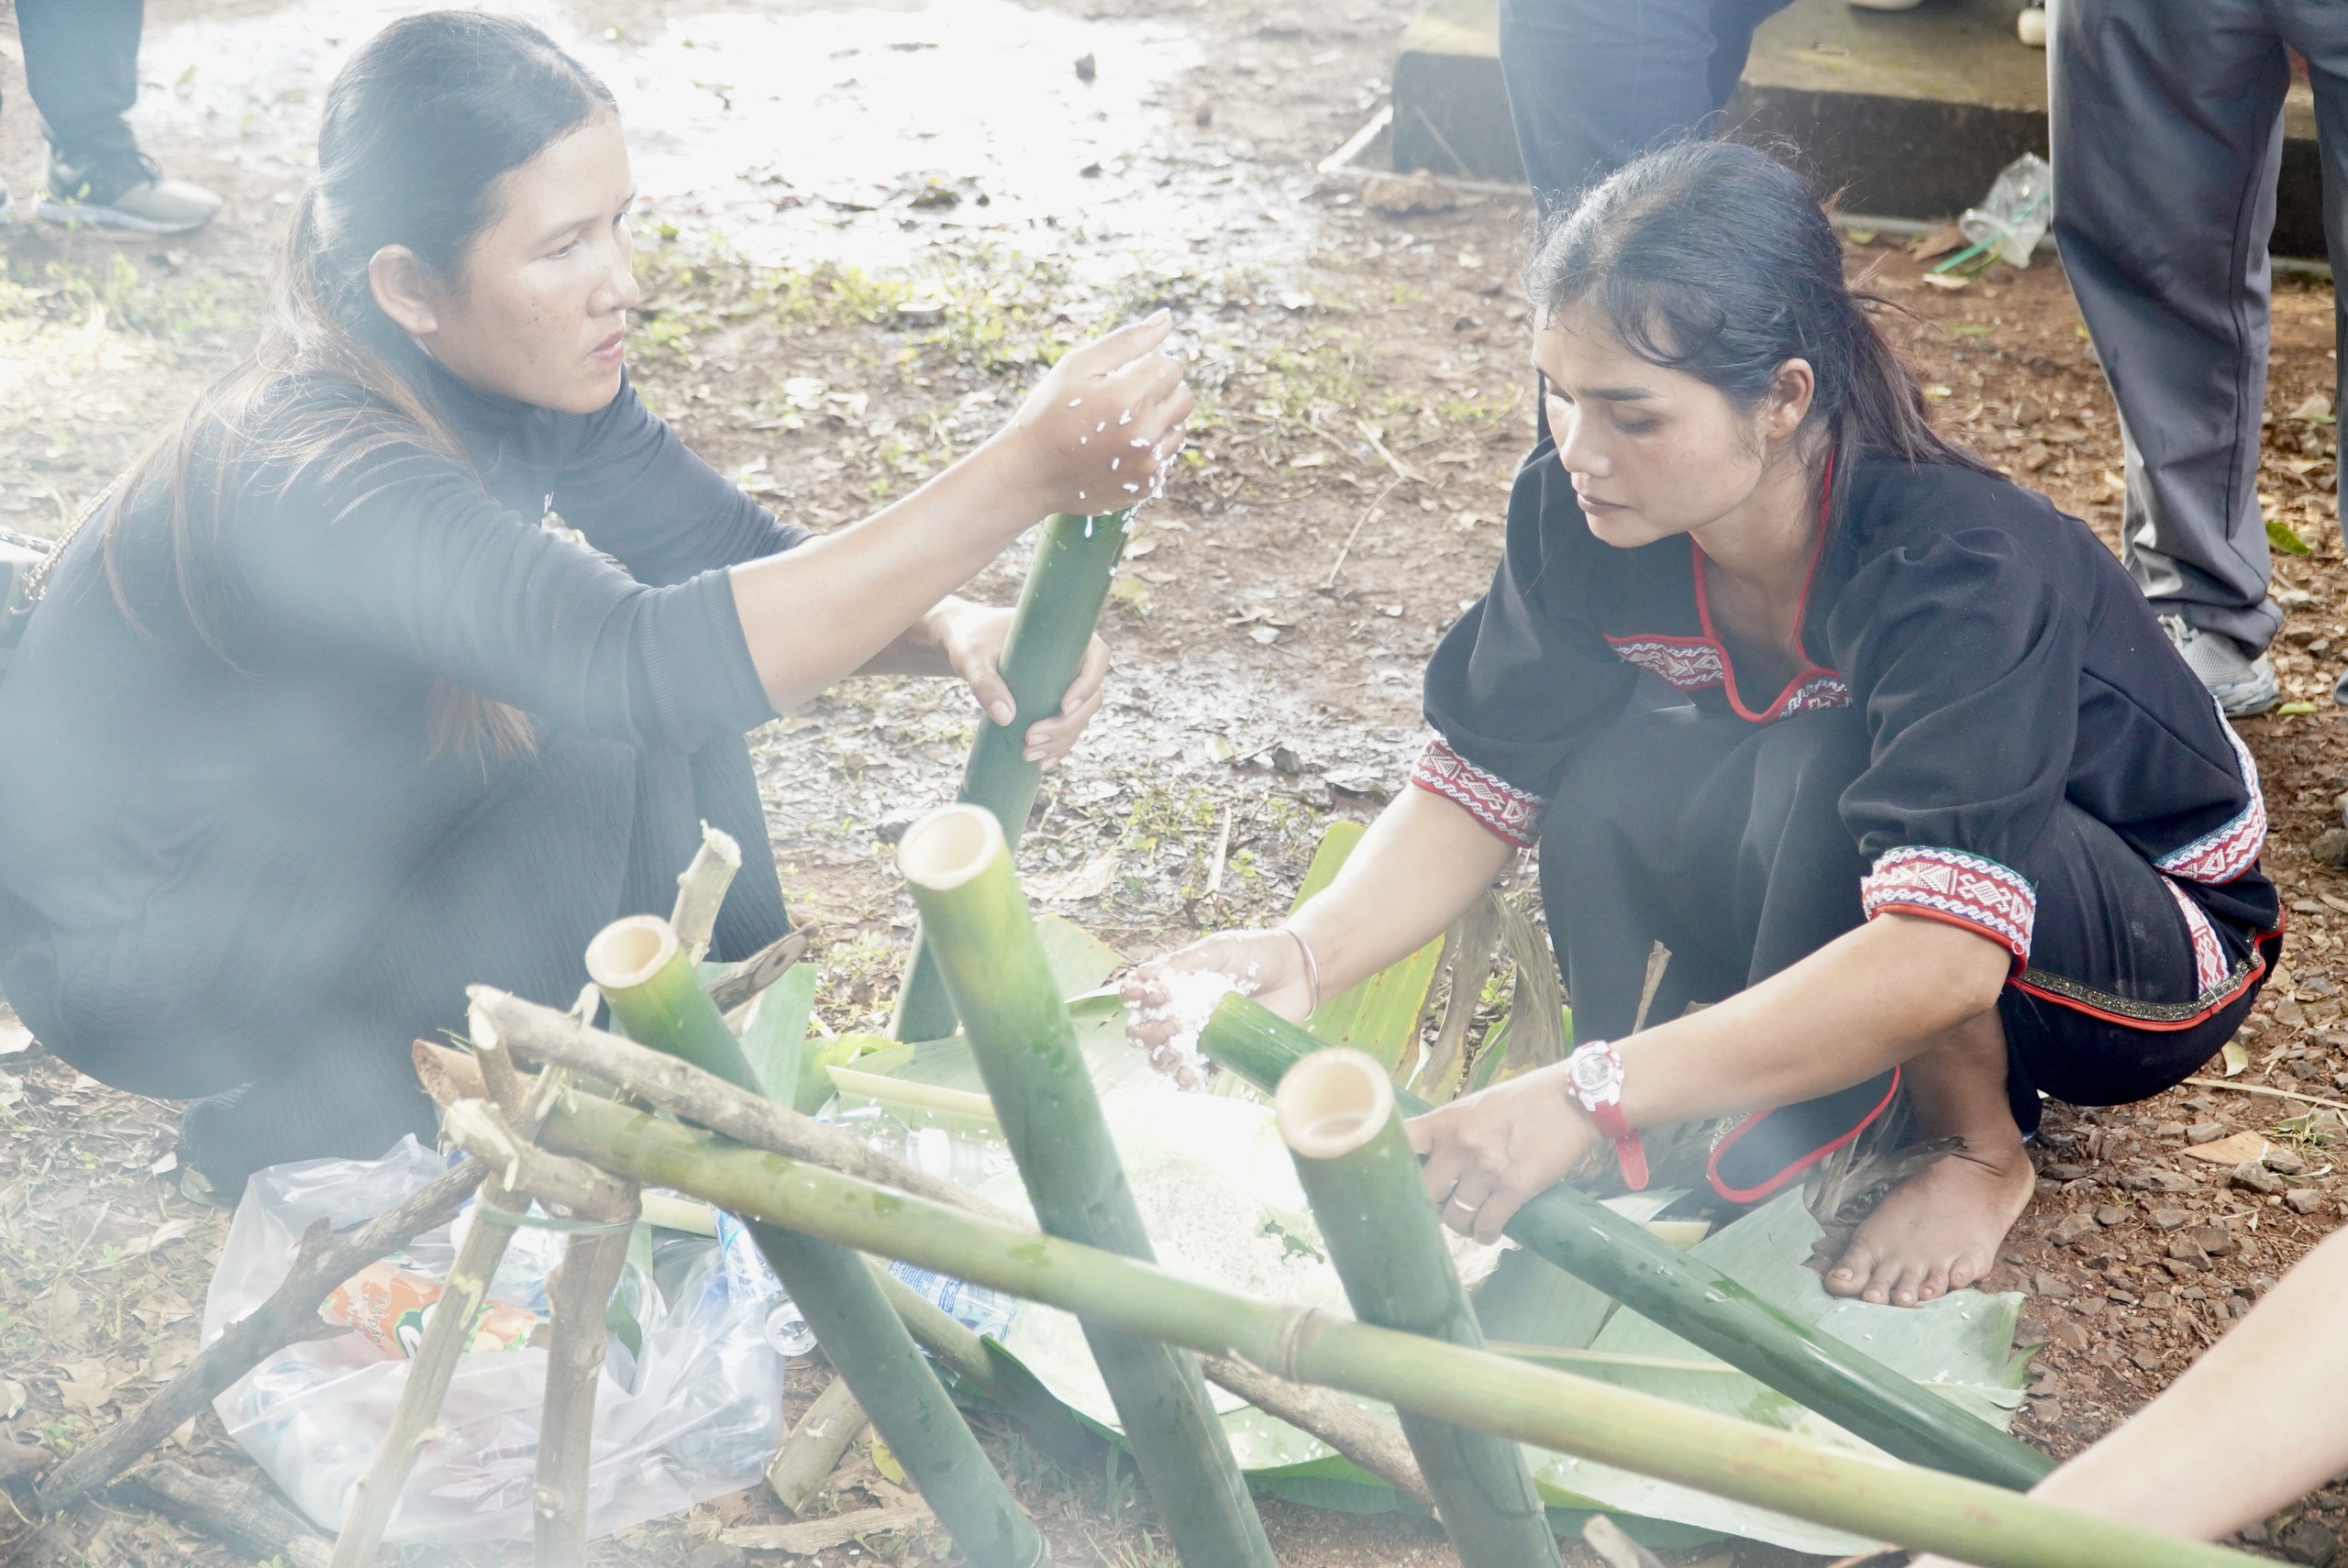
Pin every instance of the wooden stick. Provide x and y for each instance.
(756, 973)
(1329, 1416)
(290, 1314)
(811, 1536)
(416, 1421)
(2262, 1088)
(239, 1511)
(578, 1295)
(808, 1457)
(541, 1034)
(700, 890)
(1467, 951)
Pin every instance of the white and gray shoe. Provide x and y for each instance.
(2243, 683)
(126, 193)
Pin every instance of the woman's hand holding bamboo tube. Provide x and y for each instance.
(1417, 870)
(957, 637)
(1109, 416)
(2261, 1418)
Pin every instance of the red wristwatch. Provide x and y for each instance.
(1595, 1070)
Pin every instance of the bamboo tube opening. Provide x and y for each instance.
(949, 846)
(1332, 1102)
(629, 952)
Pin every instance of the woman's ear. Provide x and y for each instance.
(403, 290)
(1791, 392)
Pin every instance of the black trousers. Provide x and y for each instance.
(82, 64)
(1723, 840)
(1593, 84)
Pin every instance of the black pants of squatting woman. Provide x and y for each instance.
(1721, 839)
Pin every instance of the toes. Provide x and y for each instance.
(1850, 1276)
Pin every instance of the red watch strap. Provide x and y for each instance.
(1628, 1149)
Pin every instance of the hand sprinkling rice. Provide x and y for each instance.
(1191, 998)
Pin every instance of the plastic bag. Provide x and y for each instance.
(2017, 212)
(695, 1415)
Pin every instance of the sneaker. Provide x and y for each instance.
(2242, 684)
(124, 192)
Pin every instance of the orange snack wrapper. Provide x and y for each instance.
(391, 1306)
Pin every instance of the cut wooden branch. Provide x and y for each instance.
(1619, 1550)
(700, 890)
(541, 1034)
(1329, 1416)
(291, 1314)
(416, 1419)
(825, 1431)
(579, 1296)
(239, 1511)
(811, 1536)
(756, 973)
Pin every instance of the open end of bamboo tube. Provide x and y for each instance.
(949, 846)
(629, 952)
(1332, 1102)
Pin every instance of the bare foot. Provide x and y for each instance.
(1938, 1230)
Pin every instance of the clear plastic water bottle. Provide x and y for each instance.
(987, 1313)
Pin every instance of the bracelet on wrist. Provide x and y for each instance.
(1311, 965)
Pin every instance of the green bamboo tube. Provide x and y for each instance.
(645, 975)
(1883, 1500)
(1058, 606)
(994, 969)
(1337, 1115)
(1690, 1297)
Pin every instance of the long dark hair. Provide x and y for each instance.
(1714, 259)
(418, 129)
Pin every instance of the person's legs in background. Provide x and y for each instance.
(2167, 132)
(2320, 32)
(1593, 84)
(81, 65)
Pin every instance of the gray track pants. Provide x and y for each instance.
(2168, 134)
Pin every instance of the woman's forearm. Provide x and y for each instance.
(918, 649)
(1423, 862)
(1864, 1002)
(833, 605)
(2259, 1420)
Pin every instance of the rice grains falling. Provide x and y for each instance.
(1190, 999)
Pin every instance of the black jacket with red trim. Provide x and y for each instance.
(2004, 658)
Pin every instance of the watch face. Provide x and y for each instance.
(1592, 1071)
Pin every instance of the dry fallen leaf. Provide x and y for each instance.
(1088, 880)
(2242, 1148)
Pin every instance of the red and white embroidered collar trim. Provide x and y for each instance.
(1695, 664)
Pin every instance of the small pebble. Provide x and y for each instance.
(2303, 1201)
(2111, 1214)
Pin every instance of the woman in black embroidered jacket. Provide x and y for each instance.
(421, 650)
(1890, 754)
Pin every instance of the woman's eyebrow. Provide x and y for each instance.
(1606, 394)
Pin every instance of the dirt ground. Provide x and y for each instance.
(1361, 411)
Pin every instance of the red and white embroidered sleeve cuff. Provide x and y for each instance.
(1950, 885)
(1506, 811)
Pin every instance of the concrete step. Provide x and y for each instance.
(1909, 113)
